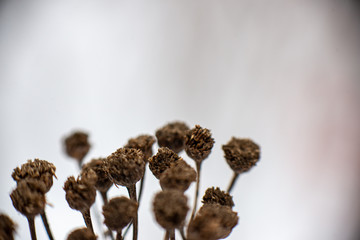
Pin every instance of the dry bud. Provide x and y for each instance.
(126, 166)
(7, 228)
(170, 208)
(179, 176)
(216, 196)
(81, 234)
(212, 222)
(29, 197)
(143, 143)
(119, 212)
(38, 169)
(172, 136)
(241, 154)
(101, 179)
(77, 145)
(80, 194)
(162, 161)
(198, 143)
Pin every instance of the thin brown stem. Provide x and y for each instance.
(182, 232)
(87, 219)
(132, 194)
(166, 237)
(104, 197)
(233, 181)
(127, 229)
(32, 227)
(172, 234)
(46, 225)
(118, 236)
(198, 168)
(141, 188)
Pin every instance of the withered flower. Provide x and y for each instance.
(212, 222)
(170, 209)
(82, 234)
(172, 136)
(198, 143)
(216, 196)
(7, 228)
(77, 146)
(143, 143)
(162, 161)
(179, 176)
(118, 213)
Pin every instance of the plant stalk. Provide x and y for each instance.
(32, 227)
(87, 219)
(198, 168)
(132, 194)
(233, 181)
(46, 225)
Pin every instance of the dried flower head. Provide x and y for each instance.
(170, 208)
(126, 166)
(216, 196)
(212, 222)
(102, 181)
(198, 143)
(143, 143)
(241, 154)
(38, 169)
(77, 145)
(162, 161)
(179, 176)
(7, 228)
(80, 194)
(172, 136)
(81, 234)
(29, 197)
(119, 212)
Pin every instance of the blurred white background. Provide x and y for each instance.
(284, 73)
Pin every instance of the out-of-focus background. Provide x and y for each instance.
(284, 73)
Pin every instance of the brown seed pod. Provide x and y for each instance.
(179, 176)
(143, 143)
(172, 136)
(162, 161)
(212, 222)
(241, 154)
(216, 196)
(81, 234)
(7, 228)
(77, 145)
(80, 194)
(198, 143)
(119, 212)
(38, 169)
(29, 197)
(170, 208)
(102, 181)
(126, 166)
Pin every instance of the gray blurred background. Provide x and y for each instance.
(284, 73)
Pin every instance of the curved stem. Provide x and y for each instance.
(46, 225)
(132, 194)
(87, 219)
(198, 168)
(233, 181)
(32, 227)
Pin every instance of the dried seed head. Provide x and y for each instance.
(162, 161)
(172, 136)
(29, 197)
(179, 176)
(81, 234)
(80, 194)
(7, 228)
(102, 181)
(212, 222)
(126, 166)
(77, 145)
(198, 143)
(143, 143)
(241, 154)
(170, 208)
(119, 212)
(37, 169)
(216, 196)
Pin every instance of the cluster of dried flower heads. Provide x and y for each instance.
(125, 167)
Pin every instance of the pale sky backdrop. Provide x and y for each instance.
(284, 73)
